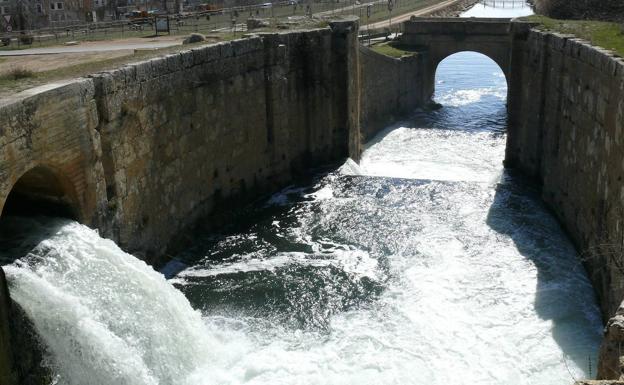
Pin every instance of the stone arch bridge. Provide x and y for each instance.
(438, 38)
(393, 87)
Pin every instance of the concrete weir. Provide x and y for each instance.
(143, 151)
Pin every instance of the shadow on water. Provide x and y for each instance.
(263, 265)
(564, 294)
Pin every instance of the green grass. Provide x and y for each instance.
(604, 34)
(392, 49)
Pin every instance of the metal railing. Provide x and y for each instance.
(227, 20)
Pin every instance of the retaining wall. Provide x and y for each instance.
(390, 88)
(567, 131)
(183, 135)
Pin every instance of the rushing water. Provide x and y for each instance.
(425, 264)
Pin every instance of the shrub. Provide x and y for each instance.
(580, 9)
(20, 73)
(560, 9)
(26, 39)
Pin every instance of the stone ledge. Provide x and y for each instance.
(599, 382)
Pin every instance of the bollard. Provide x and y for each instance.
(7, 372)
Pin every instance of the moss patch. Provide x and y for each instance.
(604, 34)
(393, 49)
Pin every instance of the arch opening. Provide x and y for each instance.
(473, 63)
(472, 75)
(470, 93)
(41, 191)
(470, 69)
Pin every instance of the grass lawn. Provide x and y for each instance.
(392, 49)
(599, 33)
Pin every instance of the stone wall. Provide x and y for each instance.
(144, 150)
(390, 88)
(53, 131)
(183, 135)
(567, 131)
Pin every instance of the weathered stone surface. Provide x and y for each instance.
(611, 363)
(566, 122)
(55, 130)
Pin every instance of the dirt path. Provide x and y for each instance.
(101, 46)
(53, 62)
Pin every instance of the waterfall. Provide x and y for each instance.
(104, 316)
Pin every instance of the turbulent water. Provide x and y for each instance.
(424, 264)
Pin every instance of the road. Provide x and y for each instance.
(406, 16)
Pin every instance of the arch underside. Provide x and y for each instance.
(41, 191)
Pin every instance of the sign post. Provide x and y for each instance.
(7, 19)
(390, 6)
(368, 15)
(161, 24)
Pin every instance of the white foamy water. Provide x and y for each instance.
(464, 97)
(407, 152)
(356, 262)
(460, 296)
(106, 317)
